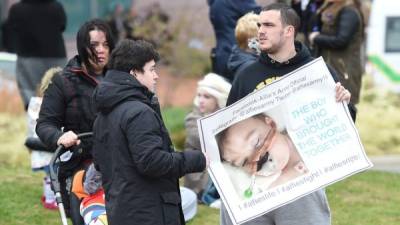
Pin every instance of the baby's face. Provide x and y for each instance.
(278, 156)
(256, 146)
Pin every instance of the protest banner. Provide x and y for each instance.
(281, 142)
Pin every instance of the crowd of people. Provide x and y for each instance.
(130, 167)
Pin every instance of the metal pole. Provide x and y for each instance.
(61, 209)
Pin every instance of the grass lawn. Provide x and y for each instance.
(369, 198)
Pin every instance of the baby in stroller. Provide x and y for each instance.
(78, 186)
(86, 198)
(92, 207)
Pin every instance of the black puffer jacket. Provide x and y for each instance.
(34, 29)
(67, 104)
(135, 155)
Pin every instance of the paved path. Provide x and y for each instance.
(390, 163)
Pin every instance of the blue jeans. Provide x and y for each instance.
(210, 193)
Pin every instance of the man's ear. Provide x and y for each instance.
(290, 30)
(132, 73)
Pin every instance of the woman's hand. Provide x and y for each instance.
(342, 94)
(312, 36)
(68, 139)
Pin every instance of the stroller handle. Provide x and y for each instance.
(59, 151)
(54, 177)
(35, 143)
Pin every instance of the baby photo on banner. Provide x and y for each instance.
(281, 142)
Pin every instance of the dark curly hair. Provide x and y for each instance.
(132, 55)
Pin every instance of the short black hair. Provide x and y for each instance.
(288, 14)
(85, 50)
(132, 55)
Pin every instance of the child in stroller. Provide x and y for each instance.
(77, 185)
(92, 207)
(83, 195)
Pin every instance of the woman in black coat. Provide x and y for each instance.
(66, 108)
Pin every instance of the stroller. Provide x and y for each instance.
(67, 170)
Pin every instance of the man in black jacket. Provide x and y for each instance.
(132, 147)
(280, 55)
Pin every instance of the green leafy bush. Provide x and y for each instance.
(174, 121)
(172, 41)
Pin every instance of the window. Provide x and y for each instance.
(392, 43)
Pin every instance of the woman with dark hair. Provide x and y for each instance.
(66, 109)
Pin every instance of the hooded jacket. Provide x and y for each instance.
(134, 153)
(265, 70)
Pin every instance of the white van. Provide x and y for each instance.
(383, 44)
(7, 65)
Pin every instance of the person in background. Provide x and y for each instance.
(117, 22)
(40, 158)
(66, 109)
(281, 54)
(132, 148)
(212, 92)
(33, 30)
(246, 51)
(223, 16)
(131, 21)
(310, 21)
(340, 42)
